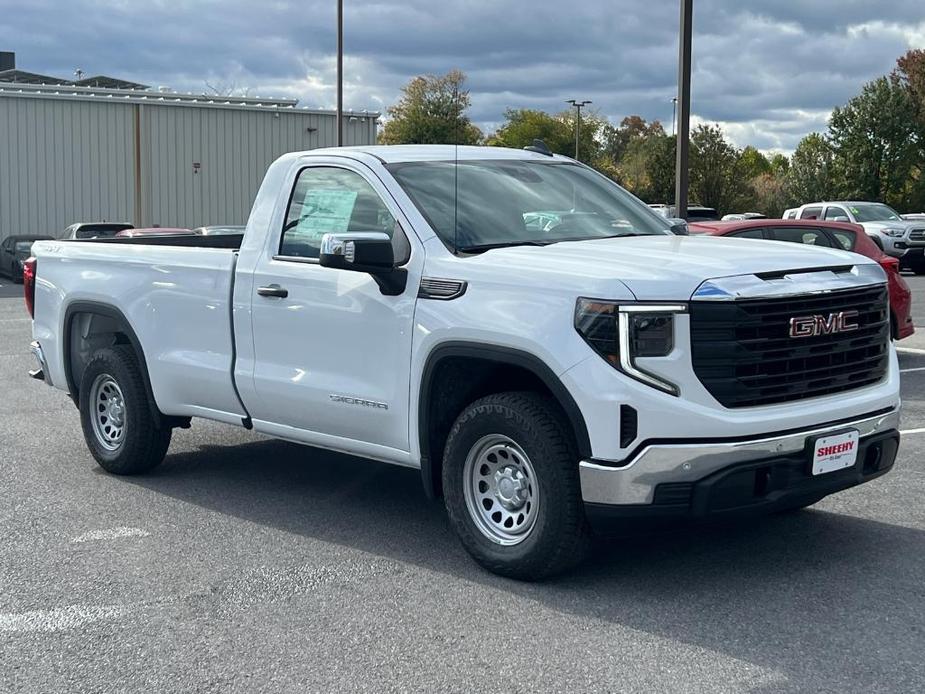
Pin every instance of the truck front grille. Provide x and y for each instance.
(744, 355)
(917, 235)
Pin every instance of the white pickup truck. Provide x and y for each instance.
(896, 236)
(517, 326)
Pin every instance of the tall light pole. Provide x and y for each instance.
(340, 73)
(681, 179)
(578, 106)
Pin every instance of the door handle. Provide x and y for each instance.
(273, 290)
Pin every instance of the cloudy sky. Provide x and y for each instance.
(769, 71)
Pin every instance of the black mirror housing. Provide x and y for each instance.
(371, 252)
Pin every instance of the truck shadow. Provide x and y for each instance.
(762, 592)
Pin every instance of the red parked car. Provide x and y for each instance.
(841, 235)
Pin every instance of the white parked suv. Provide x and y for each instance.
(901, 238)
(404, 304)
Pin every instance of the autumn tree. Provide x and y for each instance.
(432, 110)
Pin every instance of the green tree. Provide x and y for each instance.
(753, 163)
(661, 168)
(716, 178)
(811, 176)
(780, 164)
(875, 140)
(522, 126)
(431, 110)
(616, 141)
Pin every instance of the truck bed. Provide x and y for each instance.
(232, 241)
(175, 293)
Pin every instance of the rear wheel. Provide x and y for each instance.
(116, 416)
(510, 482)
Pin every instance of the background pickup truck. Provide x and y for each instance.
(398, 303)
(898, 237)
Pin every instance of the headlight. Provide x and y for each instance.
(622, 332)
(895, 233)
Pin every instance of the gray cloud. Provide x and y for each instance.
(768, 72)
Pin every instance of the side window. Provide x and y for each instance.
(833, 212)
(804, 235)
(846, 239)
(327, 200)
(749, 234)
(811, 213)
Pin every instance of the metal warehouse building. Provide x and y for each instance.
(82, 154)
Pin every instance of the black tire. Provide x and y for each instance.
(142, 445)
(559, 537)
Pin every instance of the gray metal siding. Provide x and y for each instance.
(63, 162)
(66, 160)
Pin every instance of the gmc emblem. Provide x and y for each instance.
(811, 326)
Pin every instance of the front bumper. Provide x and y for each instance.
(700, 478)
(914, 255)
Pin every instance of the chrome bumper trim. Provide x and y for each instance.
(688, 462)
(42, 371)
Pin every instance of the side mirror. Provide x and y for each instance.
(841, 218)
(366, 251)
(362, 251)
(679, 226)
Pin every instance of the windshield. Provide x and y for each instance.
(874, 212)
(487, 203)
(24, 246)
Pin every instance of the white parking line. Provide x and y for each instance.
(110, 534)
(909, 371)
(58, 619)
(912, 431)
(910, 350)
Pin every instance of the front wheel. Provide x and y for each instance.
(116, 416)
(511, 487)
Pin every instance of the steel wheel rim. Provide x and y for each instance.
(108, 412)
(501, 490)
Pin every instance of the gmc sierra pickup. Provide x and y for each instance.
(517, 326)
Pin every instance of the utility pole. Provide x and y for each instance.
(340, 73)
(681, 179)
(674, 115)
(578, 106)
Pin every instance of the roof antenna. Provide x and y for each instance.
(539, 147)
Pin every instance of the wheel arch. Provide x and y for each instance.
(432, 429)
(112, 322)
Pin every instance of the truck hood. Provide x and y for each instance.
(894, 224)
(653, 267)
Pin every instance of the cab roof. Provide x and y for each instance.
(396, 154)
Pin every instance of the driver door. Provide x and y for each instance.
(332, 353)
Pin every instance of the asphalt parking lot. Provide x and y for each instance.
(245, 564)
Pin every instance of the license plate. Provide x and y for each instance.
(835, 452)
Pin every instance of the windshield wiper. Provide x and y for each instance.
(478, 248)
